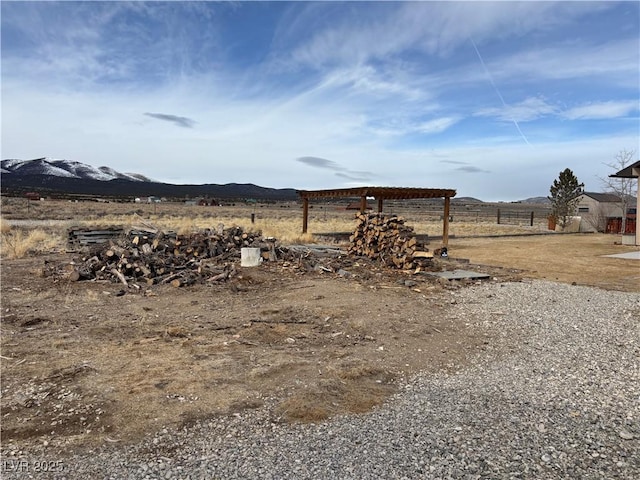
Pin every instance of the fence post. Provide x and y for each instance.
(531, 219)
(498, 216)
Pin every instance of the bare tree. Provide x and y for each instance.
(597, 218)
(621, 187)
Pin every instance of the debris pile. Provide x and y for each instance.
(388, 240)
(156, 257)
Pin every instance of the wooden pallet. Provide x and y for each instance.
(82, 237)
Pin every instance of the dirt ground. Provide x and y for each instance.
(84, 363)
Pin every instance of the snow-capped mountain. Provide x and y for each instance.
(66, 168)
(60, 178)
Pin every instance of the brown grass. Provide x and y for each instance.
(355, 389)
(42, 226)
(568, 258)
(19, 243)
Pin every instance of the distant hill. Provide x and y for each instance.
(536, 200)
(64, 177)
(466, 200)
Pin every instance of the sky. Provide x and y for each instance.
(492, 99)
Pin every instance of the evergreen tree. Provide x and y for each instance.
(565, 193)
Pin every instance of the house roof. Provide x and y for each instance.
(627, 172)
(603, 197)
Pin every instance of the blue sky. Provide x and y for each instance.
(491, 99)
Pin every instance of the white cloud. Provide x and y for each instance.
(437, 125)
(435, 28)
(613, 61)
(603, 110)
(529, 109)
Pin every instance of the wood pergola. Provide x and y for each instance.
(380, 194)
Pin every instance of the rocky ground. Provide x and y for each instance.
(314, 366)
(555, 394)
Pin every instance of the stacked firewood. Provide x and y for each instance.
(156, 257)
(388, 240)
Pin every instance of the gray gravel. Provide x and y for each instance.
(555, 394)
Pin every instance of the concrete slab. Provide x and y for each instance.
(458, 274)
(628, 255)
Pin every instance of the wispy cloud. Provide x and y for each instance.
(613, 61)
(175, 119)
(392, 29)
(465, 167)
(603, 110)
(437, 125)
(529, 109)
(341, 172)
(318, 162)
(356, 176)
(472, 169)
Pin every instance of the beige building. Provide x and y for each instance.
(595, 209)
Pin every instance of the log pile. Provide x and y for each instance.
(153, 257)
(388, 240)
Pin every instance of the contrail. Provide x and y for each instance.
(504, 104)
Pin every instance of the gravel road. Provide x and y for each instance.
(555, 394)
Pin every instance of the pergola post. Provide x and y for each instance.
(305, 214)
(380, 199)
(445, 222)
(363, 204)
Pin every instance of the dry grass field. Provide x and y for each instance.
(89, 362)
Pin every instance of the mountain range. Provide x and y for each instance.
(64, 177)
(66, 168)
(53, 177)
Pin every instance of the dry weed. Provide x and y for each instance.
(4, 226)
(19, 243)
(357, 389)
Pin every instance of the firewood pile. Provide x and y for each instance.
(388, 240)
(150, 258)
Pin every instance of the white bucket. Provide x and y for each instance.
(250, 257)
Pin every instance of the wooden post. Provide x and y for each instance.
(531, 223)
(445, 222)
(498, 216)
(305, 214)
(363, 204)
(380, 205)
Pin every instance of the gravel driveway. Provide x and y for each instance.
(555, 394)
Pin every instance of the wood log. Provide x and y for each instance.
(120, 276)
(75, 276)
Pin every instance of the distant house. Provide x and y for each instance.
(150, 199)
(203, 202)
(601, 212)
(32, 195)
